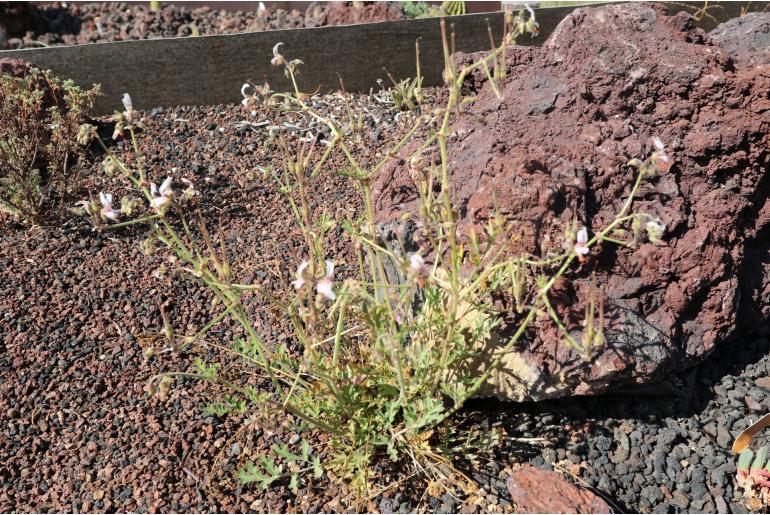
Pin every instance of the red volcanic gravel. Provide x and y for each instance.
(78, 308)
(25, 25)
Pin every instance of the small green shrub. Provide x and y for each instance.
(425, 10)
(385, 362)
(40, 157)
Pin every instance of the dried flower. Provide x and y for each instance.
(129, 106)
(277, 59)
(86, 133)
(87, 207)
(161, 196)
(128, 204)
(581, 249)
(190, 192)
(655, 229)
(324, 286)
(299, 282)
(118, 132)
(107, 210)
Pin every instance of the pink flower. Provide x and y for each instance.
(277, 59)
(107, 210)
(324, 286)
(128, 105)
(161, 196)
(660, 159)
(299, 282)
(581, 249)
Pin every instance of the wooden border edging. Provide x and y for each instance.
(210, 70)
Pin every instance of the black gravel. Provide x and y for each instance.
(663, 453)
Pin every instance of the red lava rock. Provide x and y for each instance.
(28, 24)
(747, 38)
(763, 382)
(534, 490)
(15, 67)
(555, 149)
(349, 13)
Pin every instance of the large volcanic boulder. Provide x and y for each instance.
(555, 149)
(746, 38)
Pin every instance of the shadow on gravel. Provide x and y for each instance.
(683, 394)
(580, 424)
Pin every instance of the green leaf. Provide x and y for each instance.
(760, 458)
(249, 473)
(270, 467)
(744, 460)
(305, 450)
(205, 370)
(284, 452)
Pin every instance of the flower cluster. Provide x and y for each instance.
(278, 60)
(125, 119)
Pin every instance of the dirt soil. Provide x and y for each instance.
(553, 153)
(24, 25)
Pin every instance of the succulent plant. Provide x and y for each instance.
(744, 462)
(760, 460)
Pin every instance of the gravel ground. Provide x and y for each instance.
(76, 23)
(667, 453)
(79, 308)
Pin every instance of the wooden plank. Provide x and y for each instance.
(209, 70)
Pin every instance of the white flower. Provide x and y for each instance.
(324, 286)
(277, 59)
(658, 143)
(161, 196)
(582, 238)
(299, 282)
(107, 209)
(128, 105)
(261, 9)
(244, 93)
(417, 265)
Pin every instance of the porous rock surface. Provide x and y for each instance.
(534, 490)
(555, 149)
(348, 13)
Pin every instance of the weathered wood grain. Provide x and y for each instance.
(209, 70)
